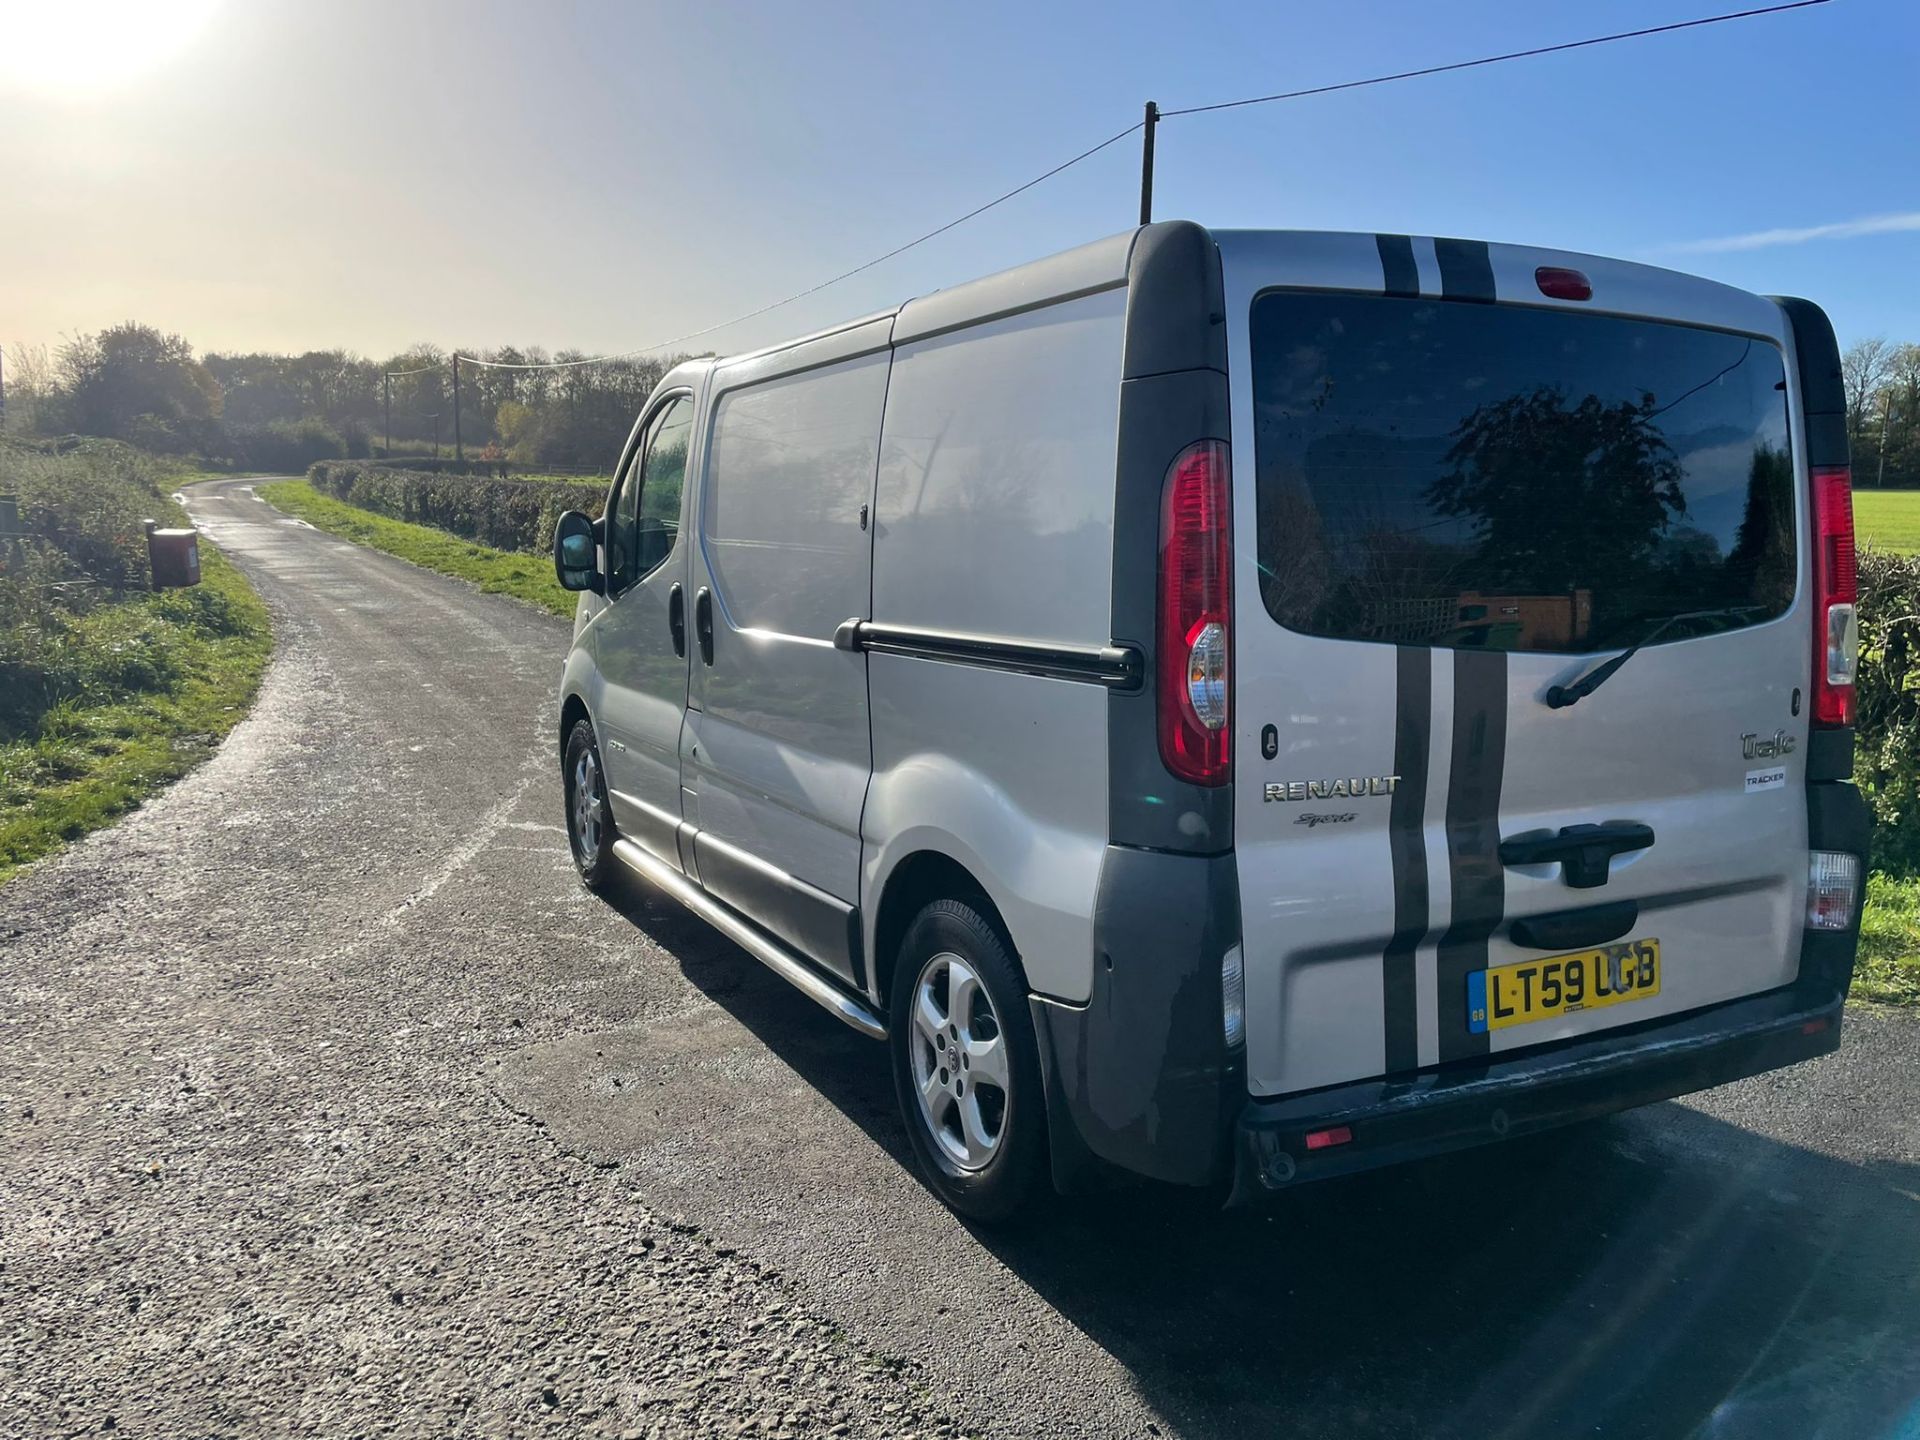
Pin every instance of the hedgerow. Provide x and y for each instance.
(505, 514)
(1887, 760)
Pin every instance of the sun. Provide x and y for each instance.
(81, 46)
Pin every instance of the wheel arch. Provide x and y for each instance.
(915, 882)
(572, 710)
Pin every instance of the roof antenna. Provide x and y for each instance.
(1146, 163)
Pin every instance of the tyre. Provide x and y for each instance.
(965, 1064)
(589, 822)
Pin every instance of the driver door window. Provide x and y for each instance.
(646, 512)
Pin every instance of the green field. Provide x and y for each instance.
(1888, 519)
(498, 572)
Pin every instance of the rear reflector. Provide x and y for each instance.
(1559, 284)
(1233, 999)
(1836, 589)
(1833, 889)
(1327, 1139)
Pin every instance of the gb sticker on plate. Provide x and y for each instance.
(1771, 779)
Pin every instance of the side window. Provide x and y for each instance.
(646, 511)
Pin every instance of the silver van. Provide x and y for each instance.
(1238, 708)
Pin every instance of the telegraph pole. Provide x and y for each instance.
(1886, 424)
(388, 381)
(1146, 163)
(459, 451)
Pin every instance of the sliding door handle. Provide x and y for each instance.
(703, 623)
(677, 619)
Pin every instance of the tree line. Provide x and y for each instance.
(284, 412)
(1883, 411)
(135, 383)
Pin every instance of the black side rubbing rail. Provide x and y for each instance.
(1119, 667)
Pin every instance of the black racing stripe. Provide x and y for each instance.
(1466, 269)
(1396, 260)
(1407, 836)
(1473, 839)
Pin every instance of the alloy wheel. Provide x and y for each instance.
(960, 1071)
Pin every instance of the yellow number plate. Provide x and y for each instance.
(1529, 990)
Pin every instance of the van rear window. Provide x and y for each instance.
(1446, 473)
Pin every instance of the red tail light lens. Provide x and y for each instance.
(1836, 589)
(1195, 638)
(1560, 284)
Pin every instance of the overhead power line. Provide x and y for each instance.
(1493, 59)
(835, 280)
(1115, 139)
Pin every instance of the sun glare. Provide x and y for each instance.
(81, 46)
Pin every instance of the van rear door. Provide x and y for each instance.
(1455, 492)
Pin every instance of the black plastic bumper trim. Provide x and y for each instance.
(1394, 1121)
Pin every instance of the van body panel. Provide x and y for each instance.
(778, 755)
(995, 496)
(993, 517)
(1083, 270)
(1003, 773)
(1366, 912)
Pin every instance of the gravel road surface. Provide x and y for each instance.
(330, 1104)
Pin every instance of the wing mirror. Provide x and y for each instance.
(576, 554)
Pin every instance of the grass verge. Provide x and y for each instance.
(185, 665)
(498, 572)
(1888, 519)
(1889, 968)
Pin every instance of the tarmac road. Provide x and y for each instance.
(331, 1104)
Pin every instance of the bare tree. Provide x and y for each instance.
(1865, 368)
(30, 386)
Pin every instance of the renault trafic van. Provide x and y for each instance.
(1242, 708)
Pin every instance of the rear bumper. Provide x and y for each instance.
(1432, 1114)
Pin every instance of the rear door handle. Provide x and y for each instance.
(677, 619)
(703, 623)
(1582, 851)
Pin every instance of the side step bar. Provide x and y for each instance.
(763, 947)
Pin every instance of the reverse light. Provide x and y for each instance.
(1194, 633)
(1833, 889)
(1836, 590)
(1233, 998)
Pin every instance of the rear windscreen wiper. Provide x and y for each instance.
(1561, 696)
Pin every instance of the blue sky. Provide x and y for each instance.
(603, 176)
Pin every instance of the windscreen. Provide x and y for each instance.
(1447, 473)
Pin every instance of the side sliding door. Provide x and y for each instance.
(777, 747)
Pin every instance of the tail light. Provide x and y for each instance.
(1195, 633)
(1836, 585)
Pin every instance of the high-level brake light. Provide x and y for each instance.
(1194, 685)
(1558, 283)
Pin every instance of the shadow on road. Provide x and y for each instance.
(1661, 1273)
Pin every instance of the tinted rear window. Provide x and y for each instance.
(1453, 474)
